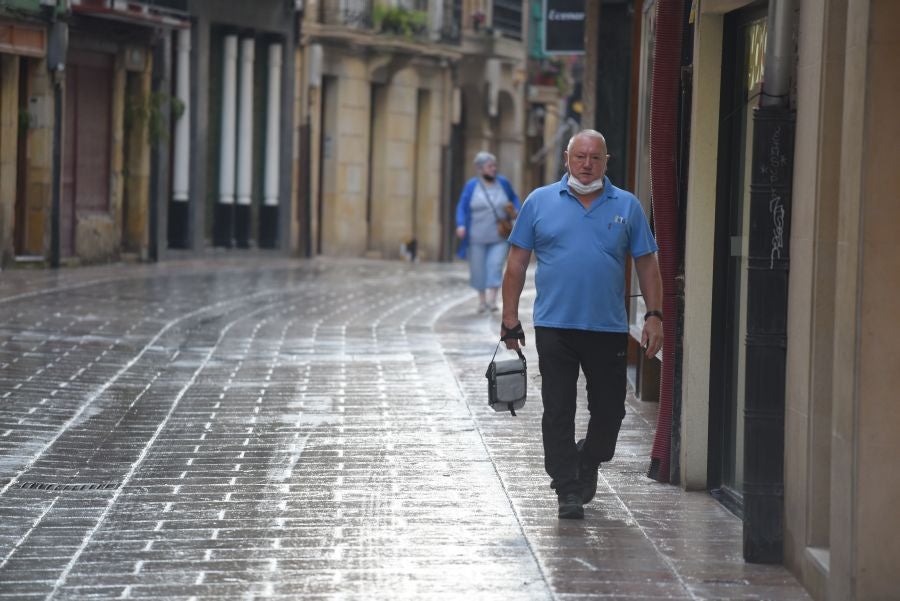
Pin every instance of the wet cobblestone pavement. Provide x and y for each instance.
(277, 429)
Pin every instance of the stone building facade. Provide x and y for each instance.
(79, 110)
(826, 427)
(398, 98)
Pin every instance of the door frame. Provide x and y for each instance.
(728, 200)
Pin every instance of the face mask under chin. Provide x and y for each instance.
(583, 189)
(488, 177)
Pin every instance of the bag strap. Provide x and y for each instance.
(487, 197)
(518, 350)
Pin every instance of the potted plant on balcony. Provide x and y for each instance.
(400, 21)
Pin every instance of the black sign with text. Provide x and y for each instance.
(564, 26)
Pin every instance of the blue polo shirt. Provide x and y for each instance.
(580, 277)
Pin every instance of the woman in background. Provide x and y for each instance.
(486, 199)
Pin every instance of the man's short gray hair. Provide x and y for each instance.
(587, 133)
(483, 157)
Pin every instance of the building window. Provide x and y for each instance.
(508, 18)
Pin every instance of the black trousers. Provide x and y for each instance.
(602, 358)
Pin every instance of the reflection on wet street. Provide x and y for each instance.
(249, 429)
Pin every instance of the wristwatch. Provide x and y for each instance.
(654, 313)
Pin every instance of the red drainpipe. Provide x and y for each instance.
(664, 196)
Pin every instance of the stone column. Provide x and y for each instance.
(269, 211)
(242, 212)
(181, 162)
(224, 219)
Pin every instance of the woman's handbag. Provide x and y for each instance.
(504, 228)
(507, 382)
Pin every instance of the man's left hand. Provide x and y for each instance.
(512, 335)
(652, 336)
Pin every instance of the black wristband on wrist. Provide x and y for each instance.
(654, 313)
(514, 333)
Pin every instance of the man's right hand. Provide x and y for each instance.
(512, 335)
(461, 232)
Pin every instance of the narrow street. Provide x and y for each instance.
(265, 428)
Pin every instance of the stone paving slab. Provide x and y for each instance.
(251, 428)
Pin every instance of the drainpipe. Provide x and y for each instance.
(767, 296)
(268, 215)
(779, 42)
(57, 47)
(160, 151)
(245, 146)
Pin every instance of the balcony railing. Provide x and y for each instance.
(171, 13)
(349, 13)
(418, 5)
(180, 6)
(32, 6)
(403, 18)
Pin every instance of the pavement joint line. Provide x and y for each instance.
(61, 580)
(665, 558)
(27, 534)
(106, 385)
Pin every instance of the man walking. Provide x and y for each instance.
(581, 230)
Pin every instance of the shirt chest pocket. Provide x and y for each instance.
(612, 236)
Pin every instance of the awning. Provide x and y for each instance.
(148, 14)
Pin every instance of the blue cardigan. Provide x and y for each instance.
(464, 208)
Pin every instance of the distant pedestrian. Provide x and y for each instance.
(581, 229)
(486, 206)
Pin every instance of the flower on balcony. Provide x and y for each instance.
(554, 71)
(478, 19)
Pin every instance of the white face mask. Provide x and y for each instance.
(584, 189)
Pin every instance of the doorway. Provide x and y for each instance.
(87, 140)
(21, 220)
(743, 56)
(328, 128)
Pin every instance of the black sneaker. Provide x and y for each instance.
(570, 507)
(588, 478)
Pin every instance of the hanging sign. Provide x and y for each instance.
(564, 26)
